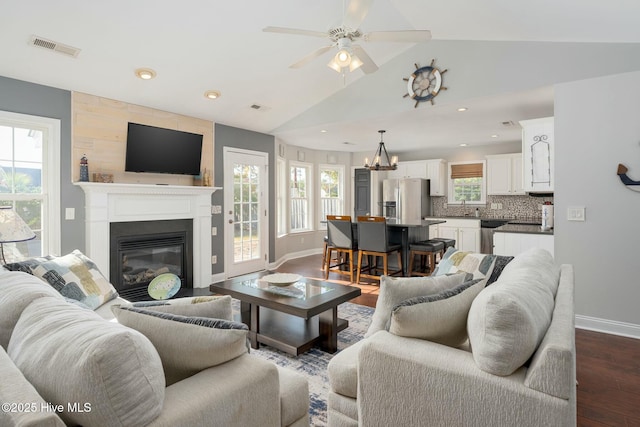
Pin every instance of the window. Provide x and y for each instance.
(467, 182)
(281, 197)
(300, 186)
(331, 191)
(30, 180)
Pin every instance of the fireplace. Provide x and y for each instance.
(142, 250)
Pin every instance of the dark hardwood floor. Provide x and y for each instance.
(608, 366)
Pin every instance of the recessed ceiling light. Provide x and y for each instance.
(463, 145)
(145, 73)
(323, 131)
(461, 109)
(495, 135)
(212, 94)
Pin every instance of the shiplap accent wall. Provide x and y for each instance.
(99, 130)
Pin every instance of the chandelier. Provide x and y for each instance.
(381, 160)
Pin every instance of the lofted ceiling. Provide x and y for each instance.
(195, 46)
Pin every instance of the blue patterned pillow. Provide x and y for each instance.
(73, 275)
(455, 261)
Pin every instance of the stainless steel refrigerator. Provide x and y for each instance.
(407, 200)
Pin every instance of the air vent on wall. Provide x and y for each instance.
(54, 46)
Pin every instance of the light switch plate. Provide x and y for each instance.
(576, 213)
(70, 213)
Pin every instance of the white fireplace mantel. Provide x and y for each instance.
(110, 202)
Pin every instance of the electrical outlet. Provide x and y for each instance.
(69, 213)
(499, 205)
(214, 231)
(494, 206)
(214, 259)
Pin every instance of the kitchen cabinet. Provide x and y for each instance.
(409, 169)
(362, 192)
(538, 155)
(513, 244)
(504, 175)
(437, 176)
(466, 233)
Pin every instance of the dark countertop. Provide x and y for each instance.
(522, 228)
(391, 222)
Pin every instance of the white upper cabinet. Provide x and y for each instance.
(538, 155)
(410, 169)
(437, 176)
(504, 174)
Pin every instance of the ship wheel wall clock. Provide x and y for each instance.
(425, 83)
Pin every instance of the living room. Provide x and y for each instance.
(595, 117)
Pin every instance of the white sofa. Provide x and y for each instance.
(51, 349)
(387, 380)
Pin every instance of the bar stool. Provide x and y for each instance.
(428, 249)
(373, 241)
(340, 240)
(448, 243)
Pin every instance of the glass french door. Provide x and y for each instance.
(245, 207)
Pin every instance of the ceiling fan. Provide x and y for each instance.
(350, 55)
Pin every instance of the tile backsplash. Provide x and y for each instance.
(513, 207)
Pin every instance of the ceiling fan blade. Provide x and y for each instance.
(304, 61)
(356, 12)
(410, 36)
(283, 30)
(368, 66)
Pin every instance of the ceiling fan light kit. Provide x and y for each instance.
(352, 55)
(381, 160)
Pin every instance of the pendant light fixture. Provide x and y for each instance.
(381, 161)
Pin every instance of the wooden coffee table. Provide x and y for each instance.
(292, 318)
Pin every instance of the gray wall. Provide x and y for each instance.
(227, 136)
(28, 98)
(597, 126)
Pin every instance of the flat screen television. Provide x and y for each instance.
(159, 150)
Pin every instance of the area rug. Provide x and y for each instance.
(313, 364)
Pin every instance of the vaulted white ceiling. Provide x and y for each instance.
(196, 45)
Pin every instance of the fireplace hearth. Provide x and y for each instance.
(142, 250)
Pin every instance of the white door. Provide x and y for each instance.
(245, 211)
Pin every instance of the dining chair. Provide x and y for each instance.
(373, 241)
(340, 239)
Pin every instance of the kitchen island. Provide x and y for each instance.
(405, 233)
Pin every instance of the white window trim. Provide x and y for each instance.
(310, 200)
(483, 186)
(50, 173)
(340, 169)
(282, 191)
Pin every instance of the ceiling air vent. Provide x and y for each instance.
(259, 107)
(508, 123)
(54, 46)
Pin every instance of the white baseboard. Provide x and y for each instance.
(608, 326)
(294, 255)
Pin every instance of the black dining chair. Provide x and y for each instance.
(340, 239)
(373, 241)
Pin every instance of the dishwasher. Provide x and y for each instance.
(486, 233)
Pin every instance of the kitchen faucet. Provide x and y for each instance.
(464, 207)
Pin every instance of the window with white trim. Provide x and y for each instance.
(331, 191)
(30, 180)
(300, 196)
(467, 182)
(281, 197)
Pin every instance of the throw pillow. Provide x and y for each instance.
(508, 320)
(186, 345)
(73, 275)
(72, 355)
(440, 318)
(215, 307)
(394, 290)
(455, 261)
